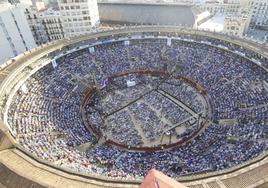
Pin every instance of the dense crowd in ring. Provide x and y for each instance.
(145, 106)
(46, 120)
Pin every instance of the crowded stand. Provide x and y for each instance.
(47, 121)
(184, 94)
(123, 119)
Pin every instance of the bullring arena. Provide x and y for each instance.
(101, 110)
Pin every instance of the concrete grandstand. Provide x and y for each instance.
(49, 137)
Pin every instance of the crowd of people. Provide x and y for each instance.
(46, 120)
(126, 134)
(186, 94)
(142, 104)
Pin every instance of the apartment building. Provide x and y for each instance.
(15, 33)
(36, 25)
(228, 7)
(52, 23)
(259, 18)
(78, 16)
(236, 25)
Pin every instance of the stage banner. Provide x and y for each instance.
(91, 49)
(126, 42)
(54, 63)
(169, 41)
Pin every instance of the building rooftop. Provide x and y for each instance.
(216, 23)
(148, 14)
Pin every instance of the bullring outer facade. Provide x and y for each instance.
(102, 110)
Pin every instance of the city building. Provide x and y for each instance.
(231, 7)
(46, 25)
(228, 7)
(247, 5)
(52, 23)
(236, 25)
(78, 16)
(259, 18)
(214, 7)
(36, 25)
(230, 16)
(15, 33)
